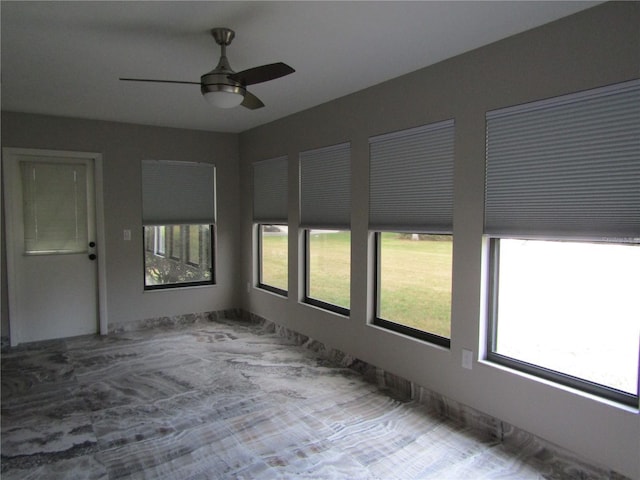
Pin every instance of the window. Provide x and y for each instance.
(561, 211)
(329, 269)
(411, 211)
(414, 284)
(178, 223)
(273, 271)
(575, 303)
(162, 271)
(270, 209)
(325, 214)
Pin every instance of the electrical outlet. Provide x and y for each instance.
(467, 359)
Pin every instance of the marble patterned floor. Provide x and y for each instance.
(225, 399)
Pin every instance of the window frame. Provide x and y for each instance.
(212, 244)
(307, 271)
(261, 284)
(390, 324)
(555, 376)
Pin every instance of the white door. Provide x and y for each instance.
(51, 244)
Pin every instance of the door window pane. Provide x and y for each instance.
(55, 207)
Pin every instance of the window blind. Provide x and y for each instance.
(411, 179)
(325, 187)
(270, 201)
(567, 166)
(55, 207)
(177, 193)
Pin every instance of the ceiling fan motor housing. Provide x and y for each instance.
(216, 81)
(220, 90)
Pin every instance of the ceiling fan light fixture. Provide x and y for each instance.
(223, 96)
(224, 99)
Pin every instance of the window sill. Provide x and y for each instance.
(327, 307)
(409, 337)
(272, 290)
(559, 386)
(177, 288)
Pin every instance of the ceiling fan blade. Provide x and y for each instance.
(261, 74)
(251, 101)
(157, 81)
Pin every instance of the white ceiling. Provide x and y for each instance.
(65, 58)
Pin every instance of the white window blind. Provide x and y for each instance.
(270, 187)
(567, 166)
(411, 179)
(177, 193)
(55, 207)
(325, 187)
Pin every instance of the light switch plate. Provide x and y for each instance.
(127, 235)
(467, 359)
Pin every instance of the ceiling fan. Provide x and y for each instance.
(225, 88)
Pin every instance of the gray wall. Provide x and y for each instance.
(123, 146)
(593, 48)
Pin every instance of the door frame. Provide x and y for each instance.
(11, 154)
